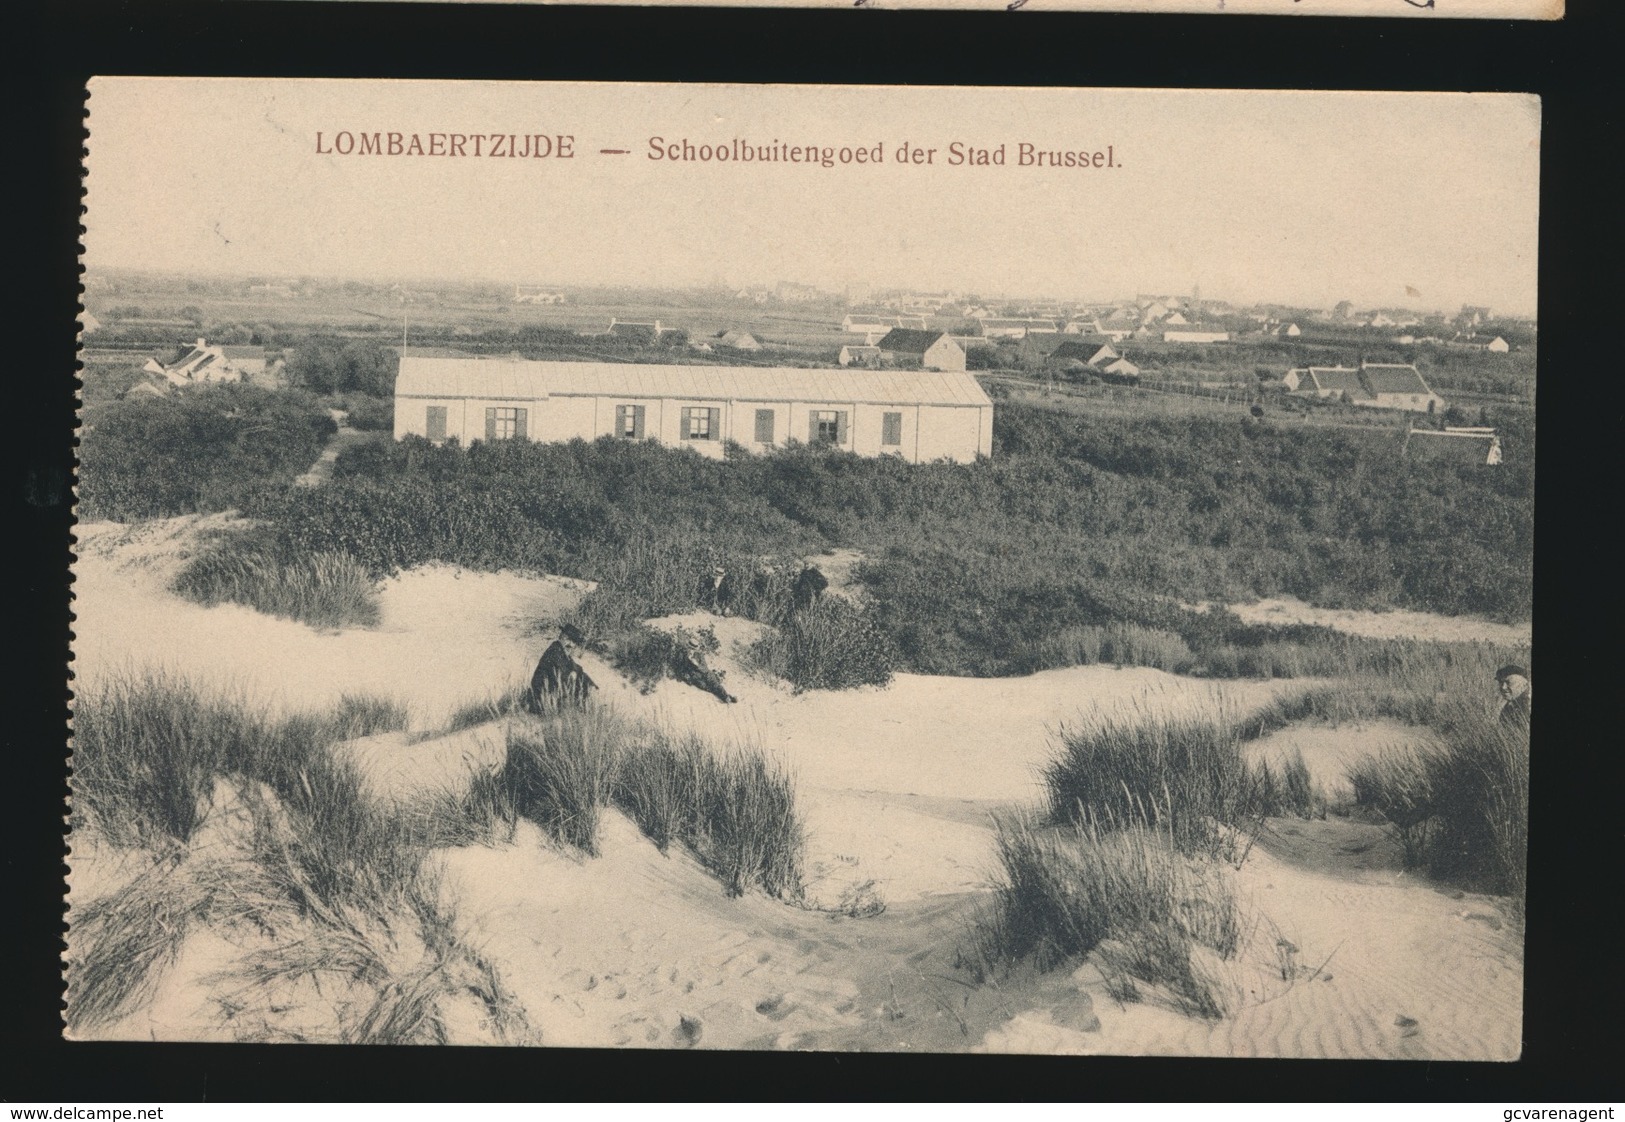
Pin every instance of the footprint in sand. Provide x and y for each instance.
(688, 1031)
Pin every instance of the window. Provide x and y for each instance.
(827, 426)
(700, 423)
(434, 425)
(505, 424)
(891, 428)
(764, 426)
(629, 422)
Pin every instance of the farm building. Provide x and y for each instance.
(738, 340)
(1122, 370)
(1016, 328)
(915, 414)
(1455, 445)
(630, 329)
(207, 362)
(1086, 352)
(1377, 385)
(859, 356)
(1195, 333)
(933, 350)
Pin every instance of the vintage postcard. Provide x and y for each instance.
(821, 568)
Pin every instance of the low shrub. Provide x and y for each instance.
(832, 645)
(371, 414)
(648, 655)
(322, 589)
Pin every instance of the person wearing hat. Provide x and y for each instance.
(693, 670)
(559, 678)
(1515, 690)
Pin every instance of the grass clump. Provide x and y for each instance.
(561, 772)
(1460, 805)
(734, 812)
(323, 589)
(1185, 775)
(1122, 891)
(146, 750)
(122, 941)
(831, 645)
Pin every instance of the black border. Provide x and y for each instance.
(1572, 973)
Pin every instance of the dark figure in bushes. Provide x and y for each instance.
(810, 586)
(717, 591)
(690, 668)
(559, 679)
(1515, 700)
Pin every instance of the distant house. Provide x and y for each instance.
(997, 328)
(917, 415)
(853, 355)
(1325, 382)
(1473, 342)
(1456, 445)
(913, 323)
(1083, 352)
(738, 340)
(536, 296)
(934, 350)
(1195, 333)
(1399, 386)
(648, 330)
(1122, 369)
(867, 324)
(1117, 327)
(1288, 331)
(1376, 385)
(207, 362)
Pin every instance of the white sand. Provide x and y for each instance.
(896, 786)
(1396, 624)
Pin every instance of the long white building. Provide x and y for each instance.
(919, 415)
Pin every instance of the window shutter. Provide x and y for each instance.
(637, 422)
(764, 426)
(840, 428)
(435, 422)
(715, 429)
(892, 429)
(812, 427)
(684, 421)
(490, 424)
(519, 428)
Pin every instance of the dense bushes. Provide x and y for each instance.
(1077, 541)
(832, 645)
(210, 448)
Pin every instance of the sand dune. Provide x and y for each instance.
(897, 787)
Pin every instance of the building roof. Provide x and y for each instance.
(243, 352)
(1384, 377)
(909, 341)
(860, 350)
(1338, 379)
(519, 379)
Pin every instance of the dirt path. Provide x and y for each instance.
(322, 470)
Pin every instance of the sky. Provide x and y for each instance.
(1303, 198)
